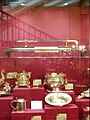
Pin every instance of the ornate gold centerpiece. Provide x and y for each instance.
(23, 79)
(55, 82)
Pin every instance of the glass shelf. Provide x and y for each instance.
(47, 57)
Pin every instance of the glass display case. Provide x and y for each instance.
(40, 58)
(49, 56)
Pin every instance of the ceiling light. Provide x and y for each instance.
(65, 3)
(23, 4)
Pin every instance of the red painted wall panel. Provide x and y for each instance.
(59, 22)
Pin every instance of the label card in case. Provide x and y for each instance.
(37, 104)
(10, 75)
(36, 118)
(61, 116)
(69, 86)
(37, 82)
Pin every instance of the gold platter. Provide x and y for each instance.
(58, 99)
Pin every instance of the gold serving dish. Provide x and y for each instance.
(58, 99)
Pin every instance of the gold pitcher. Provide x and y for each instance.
(20, 104)
(23, 79)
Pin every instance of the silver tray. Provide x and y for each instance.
(58, 99)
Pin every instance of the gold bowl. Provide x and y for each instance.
(55, 82)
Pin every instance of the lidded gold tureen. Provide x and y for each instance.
(23, 79)
(55, 82)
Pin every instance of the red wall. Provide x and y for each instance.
(61, 23)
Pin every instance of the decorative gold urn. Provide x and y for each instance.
(55, 82)
(23, 79)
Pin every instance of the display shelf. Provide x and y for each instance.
(62, 110)
(30, 94)
(5, 115)
(28, 114)
(59, 56)
(83, 102)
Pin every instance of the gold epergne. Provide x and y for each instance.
(23, 79)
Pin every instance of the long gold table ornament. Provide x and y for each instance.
(44, 49)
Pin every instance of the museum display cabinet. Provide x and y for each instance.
(45, 82)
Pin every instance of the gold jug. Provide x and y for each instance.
(20, 104)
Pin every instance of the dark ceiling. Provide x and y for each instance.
(24, 4)
(47, 3)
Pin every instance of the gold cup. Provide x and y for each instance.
(20, 105)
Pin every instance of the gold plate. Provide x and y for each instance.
(58, 99)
